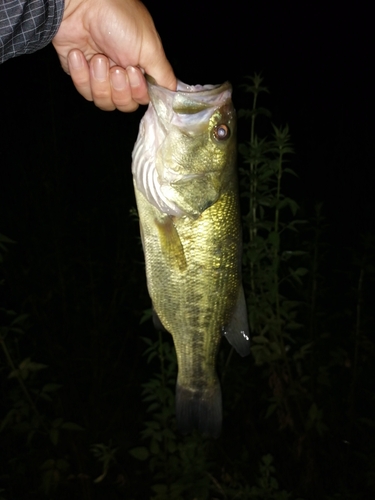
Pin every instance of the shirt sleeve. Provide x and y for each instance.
(27, 25)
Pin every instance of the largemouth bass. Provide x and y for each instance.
(184, 171)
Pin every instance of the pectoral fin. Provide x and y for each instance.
(171, 245)
(237, 332)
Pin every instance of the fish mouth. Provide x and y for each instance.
(189, 99)
(185, 89)
(174, 189)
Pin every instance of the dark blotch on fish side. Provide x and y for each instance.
(201, 410)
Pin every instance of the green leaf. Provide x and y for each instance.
(152, 407)
(54, 436)
(274, 238)
(57, 422)
(267, 459)
(151, 356)
(301, 271)
(19, 319)
(5, 239)
(25, 367)
(290, 171)
(288, 202)
(171, 447)
(51, 387)
(43, 395)
(147, 314)
(367, 421)
(162, 489)
(71, 426)
(293, 253)
(140, 453)
(9, 417)
(154, 447)
(147, 340)
(260, 339)
(169, 434)
(270, 410)
(48, 464)
(62, 464)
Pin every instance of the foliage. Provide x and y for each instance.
(182, 466)
(166, 452)
(298, 413)
(295, 342)
(25, 416)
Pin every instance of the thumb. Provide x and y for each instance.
(163, 74)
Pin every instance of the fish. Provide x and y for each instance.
(186, 189)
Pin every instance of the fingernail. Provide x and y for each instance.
(100, 69)
(134, 78)
(75, 60)
(118, 79)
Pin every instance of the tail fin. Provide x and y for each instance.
(199, 409)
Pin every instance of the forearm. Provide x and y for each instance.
(27, 25)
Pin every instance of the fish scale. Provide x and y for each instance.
(191, 236)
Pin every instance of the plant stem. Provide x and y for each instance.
(357, 333)
(20, 381)
(253, 187)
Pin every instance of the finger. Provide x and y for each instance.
(138, 85)
(121, 90)
(100, 83)
(80, 73)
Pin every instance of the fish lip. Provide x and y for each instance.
(188, 99)
(190, 90)
(202, 90)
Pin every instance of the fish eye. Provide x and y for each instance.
(221, 132)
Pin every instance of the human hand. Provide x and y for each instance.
(103, 45)
(108, 85)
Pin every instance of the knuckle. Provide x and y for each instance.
(101, 94)
(128, 108)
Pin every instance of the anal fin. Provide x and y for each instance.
(237, 332)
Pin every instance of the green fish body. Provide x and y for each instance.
(184, 170)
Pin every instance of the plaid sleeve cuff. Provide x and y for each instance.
(27, 26)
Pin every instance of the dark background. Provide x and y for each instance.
(317, 63)
(66, 188)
